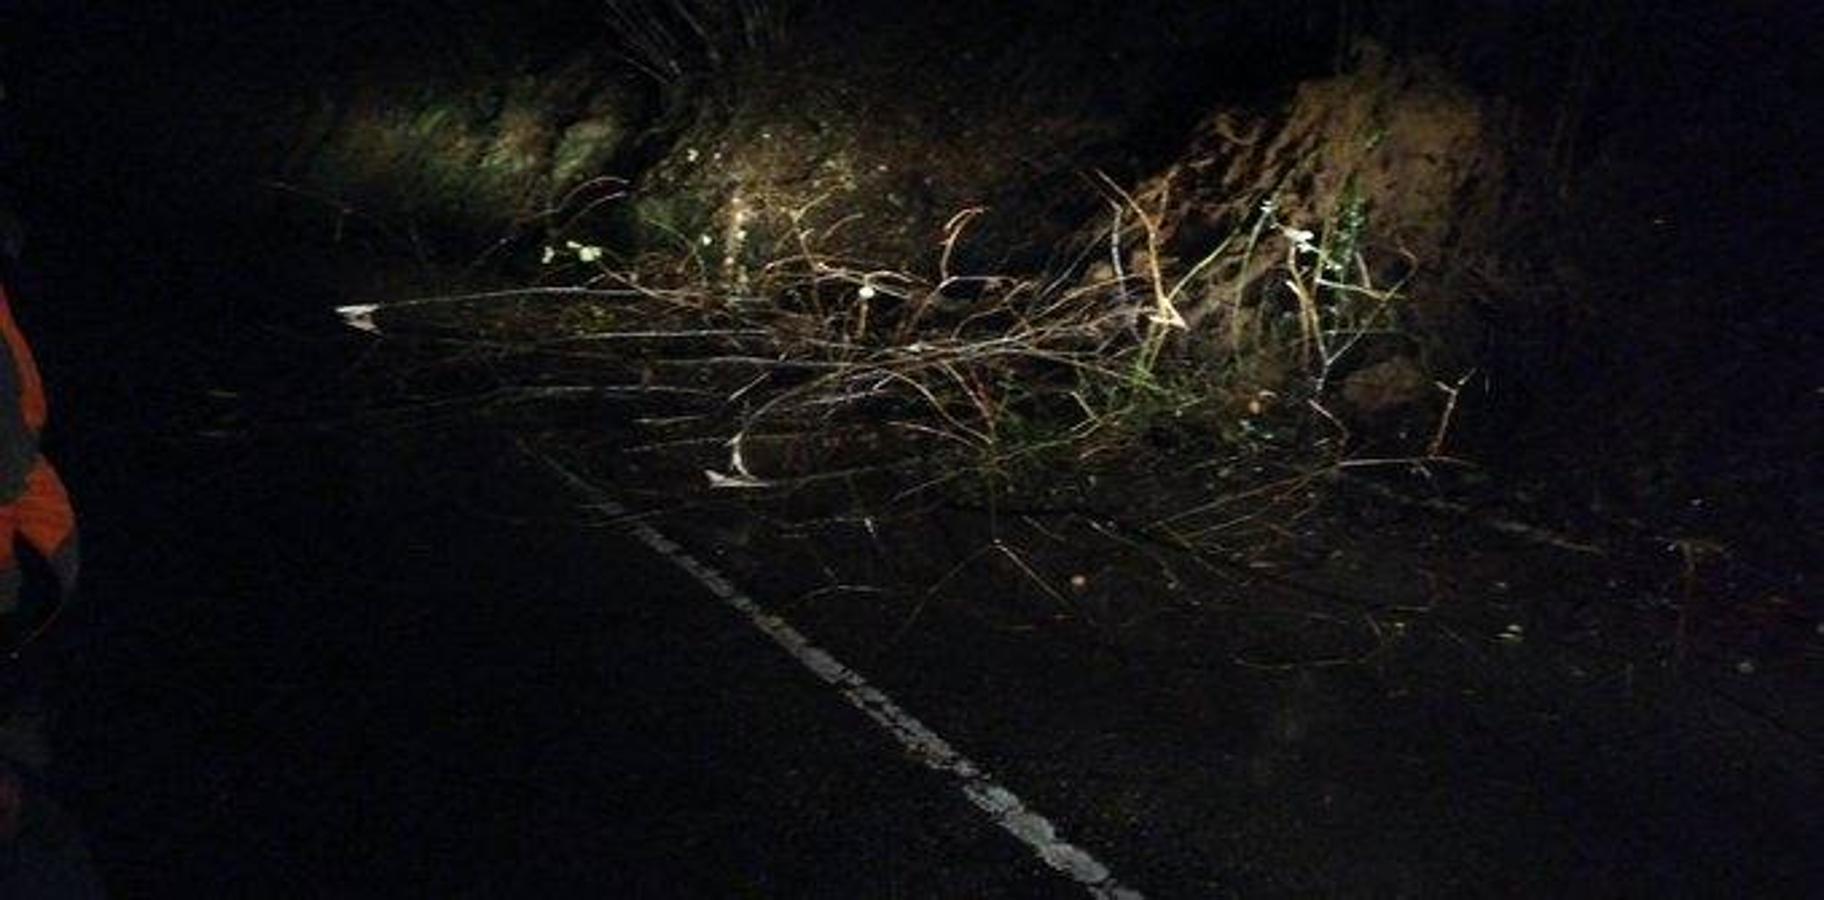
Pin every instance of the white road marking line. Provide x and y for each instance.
(1000, 804)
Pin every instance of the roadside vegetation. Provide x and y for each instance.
(815, 316)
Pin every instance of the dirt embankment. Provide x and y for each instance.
(1493, 181)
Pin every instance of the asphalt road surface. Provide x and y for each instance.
(409, 661)
(333, 659)
(324, 672)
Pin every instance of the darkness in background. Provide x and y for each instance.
(163, 107)
(137, 128)
(137, 131)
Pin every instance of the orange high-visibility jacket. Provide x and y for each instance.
(22, 406)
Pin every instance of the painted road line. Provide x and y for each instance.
(1001, 805)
